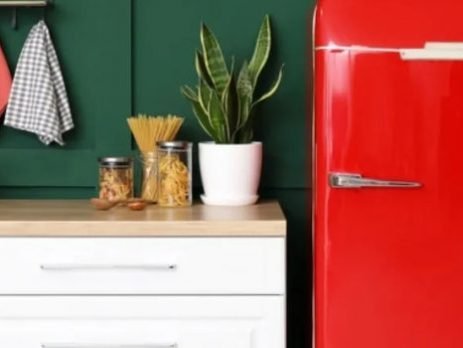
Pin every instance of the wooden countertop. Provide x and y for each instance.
(56, 218)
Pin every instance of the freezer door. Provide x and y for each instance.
(387, 23)
(388, 260)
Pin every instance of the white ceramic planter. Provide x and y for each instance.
(230, 173)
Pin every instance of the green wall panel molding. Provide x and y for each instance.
(166, 34)
(52, 192)
(93, 42)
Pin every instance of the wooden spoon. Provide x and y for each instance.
(102, 204)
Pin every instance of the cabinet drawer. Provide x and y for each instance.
(142, 266)
(142, 322)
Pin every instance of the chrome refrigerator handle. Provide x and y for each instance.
(352, 181)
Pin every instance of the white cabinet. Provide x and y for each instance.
(142, 322)
(71, 277)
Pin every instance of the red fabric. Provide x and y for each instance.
(5, 82)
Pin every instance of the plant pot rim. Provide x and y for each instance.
(213, 143)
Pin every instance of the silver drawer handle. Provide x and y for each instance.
(347, 180)
(100, 345)
(107, 267)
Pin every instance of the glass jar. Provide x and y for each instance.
(149, 186)
(116, 178)
(175, 173)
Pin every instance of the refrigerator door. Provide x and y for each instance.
(388, 259)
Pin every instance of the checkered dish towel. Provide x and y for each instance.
(38, 101)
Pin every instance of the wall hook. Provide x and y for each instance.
(14, 4)
(44, 9)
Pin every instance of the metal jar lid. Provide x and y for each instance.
(115, 161)
(174, 145)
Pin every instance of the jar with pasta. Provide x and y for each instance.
(175, 177)
(149, 186)
(116, 178)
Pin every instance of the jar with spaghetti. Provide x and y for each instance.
(116, 178)
(149, 186)
(175, 173)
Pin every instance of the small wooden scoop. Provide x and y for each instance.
(102, 204)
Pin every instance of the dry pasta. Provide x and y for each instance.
(115, 184)
(174, 182)
(148, 130)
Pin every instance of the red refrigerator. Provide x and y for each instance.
(388, 156)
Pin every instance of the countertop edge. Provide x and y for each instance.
(142, 229)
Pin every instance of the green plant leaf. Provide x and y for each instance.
(226, 91)
(245, 91)
(227, 101)
(203, 119)
(189, 93)
(214, 59)
(272, 89)
(244, 84)
(245, 135)
(217, 118)
(199, 111)
(204, 93)
(261, 51)
(201, 69)
(230, 106)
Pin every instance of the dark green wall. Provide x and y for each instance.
(121, 57)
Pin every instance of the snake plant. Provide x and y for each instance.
(224, 101)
